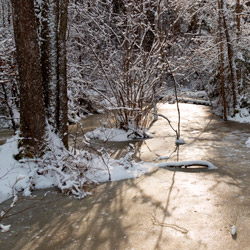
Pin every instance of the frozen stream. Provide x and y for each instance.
(189, 208)
(206, 135)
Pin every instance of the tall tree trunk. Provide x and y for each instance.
(45, 42)
(238, 13)
(62, 103)
(238, 24)
(230, 54)
(32, 115)
(48, 37)
(53, 61)
(221, 59)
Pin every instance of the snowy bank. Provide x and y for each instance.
(115, 134)
(243, 116)
(10, 170)
(70, 172)
(61, 168)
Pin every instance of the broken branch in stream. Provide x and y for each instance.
(169, 122)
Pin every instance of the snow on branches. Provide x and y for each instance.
(9, 91)
(119, 56)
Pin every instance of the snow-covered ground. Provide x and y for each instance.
(62, 168)
(25, 176)
(200, 97)
(115, 134)
(243, 116)
(109, 134)
(15, 176)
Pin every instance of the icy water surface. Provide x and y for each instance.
(191, 208)
(207, 137)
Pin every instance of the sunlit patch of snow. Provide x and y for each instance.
(114, 134)
(120, 172)
(111, 134)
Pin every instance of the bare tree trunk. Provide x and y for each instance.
(238, 24)
(32, 115)
(45, 53)
(230, 54)
(221, 57)
(238, 13)
(62, 103)
(53, 61)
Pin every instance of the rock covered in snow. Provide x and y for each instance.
(179, 142)
(4, 229)
(233, 232)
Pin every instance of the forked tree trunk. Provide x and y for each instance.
(32, 115)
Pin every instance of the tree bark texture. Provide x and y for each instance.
(32, 115)
(230, 54)
(62, 103)
(45, 52)
(221, 59)
(53, 61)
(238, 23)
(238, 13)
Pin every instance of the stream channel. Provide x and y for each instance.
(191, 208)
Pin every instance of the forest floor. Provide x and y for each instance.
(171, 208)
